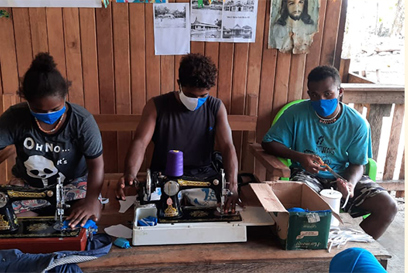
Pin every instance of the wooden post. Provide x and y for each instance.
(340, 34)
(401, 176)
(377, 112)
(249, 137)
(359, 107)
(393, 144)
(402, 170)
(344, 70)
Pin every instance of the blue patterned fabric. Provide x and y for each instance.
(13, 260)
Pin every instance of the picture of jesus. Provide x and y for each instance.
(293, 24)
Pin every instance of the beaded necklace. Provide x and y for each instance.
(330, 120)
(53, 129)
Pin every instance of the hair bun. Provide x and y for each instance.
(43, 62)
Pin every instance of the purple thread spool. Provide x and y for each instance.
(174, 166)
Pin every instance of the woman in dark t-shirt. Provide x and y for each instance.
(54, 139)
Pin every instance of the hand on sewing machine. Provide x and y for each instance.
(125, 180)
(83, 210)
(232, 200)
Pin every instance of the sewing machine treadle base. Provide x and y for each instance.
(37, 235)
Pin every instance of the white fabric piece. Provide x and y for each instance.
(339, 237)
(126, 204)
(119, 231)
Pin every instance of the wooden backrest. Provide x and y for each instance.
(129, 123)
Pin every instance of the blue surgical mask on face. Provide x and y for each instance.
(324, 108)
(49, 118)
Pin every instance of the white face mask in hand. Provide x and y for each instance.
(191, 104)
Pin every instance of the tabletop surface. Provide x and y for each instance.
(261, 246)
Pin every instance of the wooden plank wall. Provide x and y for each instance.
(108, 54)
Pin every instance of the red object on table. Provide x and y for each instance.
(46, 245)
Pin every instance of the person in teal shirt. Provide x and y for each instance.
(323, 129)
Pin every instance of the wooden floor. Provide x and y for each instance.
(261, 253)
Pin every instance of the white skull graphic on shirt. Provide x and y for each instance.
(42, 168)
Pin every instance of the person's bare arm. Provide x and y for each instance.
(352, 174)
(89, 207)
(137, 149)
(230, 161)
(310, 162)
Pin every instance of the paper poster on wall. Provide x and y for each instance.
(51, 3)
(142, 1)
(224, 20)
(293, 24)
(171, 29)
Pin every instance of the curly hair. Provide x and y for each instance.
(305, 17)
(323, 72)
(43, 79)
(197, 71)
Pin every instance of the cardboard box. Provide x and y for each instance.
(296, 230)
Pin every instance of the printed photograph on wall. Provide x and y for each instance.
(293, 24)
(171, 28)
(224, 20)
(236, 32)
(51, 4)
(239, 20)
(239, 6)
(141, 1)
(206, 27)
(207, 4)
(167, 17)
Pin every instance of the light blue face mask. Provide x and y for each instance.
(324, 108)
(50, 117)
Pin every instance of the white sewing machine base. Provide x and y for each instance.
(196, 233)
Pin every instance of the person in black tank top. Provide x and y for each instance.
(188, 120)
(178, 128)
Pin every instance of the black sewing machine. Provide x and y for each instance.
(8, 194)
(26, 233)
(172, 210)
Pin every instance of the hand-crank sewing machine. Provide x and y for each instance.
(183, 222)
(26, 233)
(174, 207)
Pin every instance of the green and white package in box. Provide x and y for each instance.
(296, 230)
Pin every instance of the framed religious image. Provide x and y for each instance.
(293, 24)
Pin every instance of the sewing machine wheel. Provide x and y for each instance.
(3, 199)
(148, 184)
(171, 188)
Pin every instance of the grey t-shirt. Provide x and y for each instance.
(42, 158)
